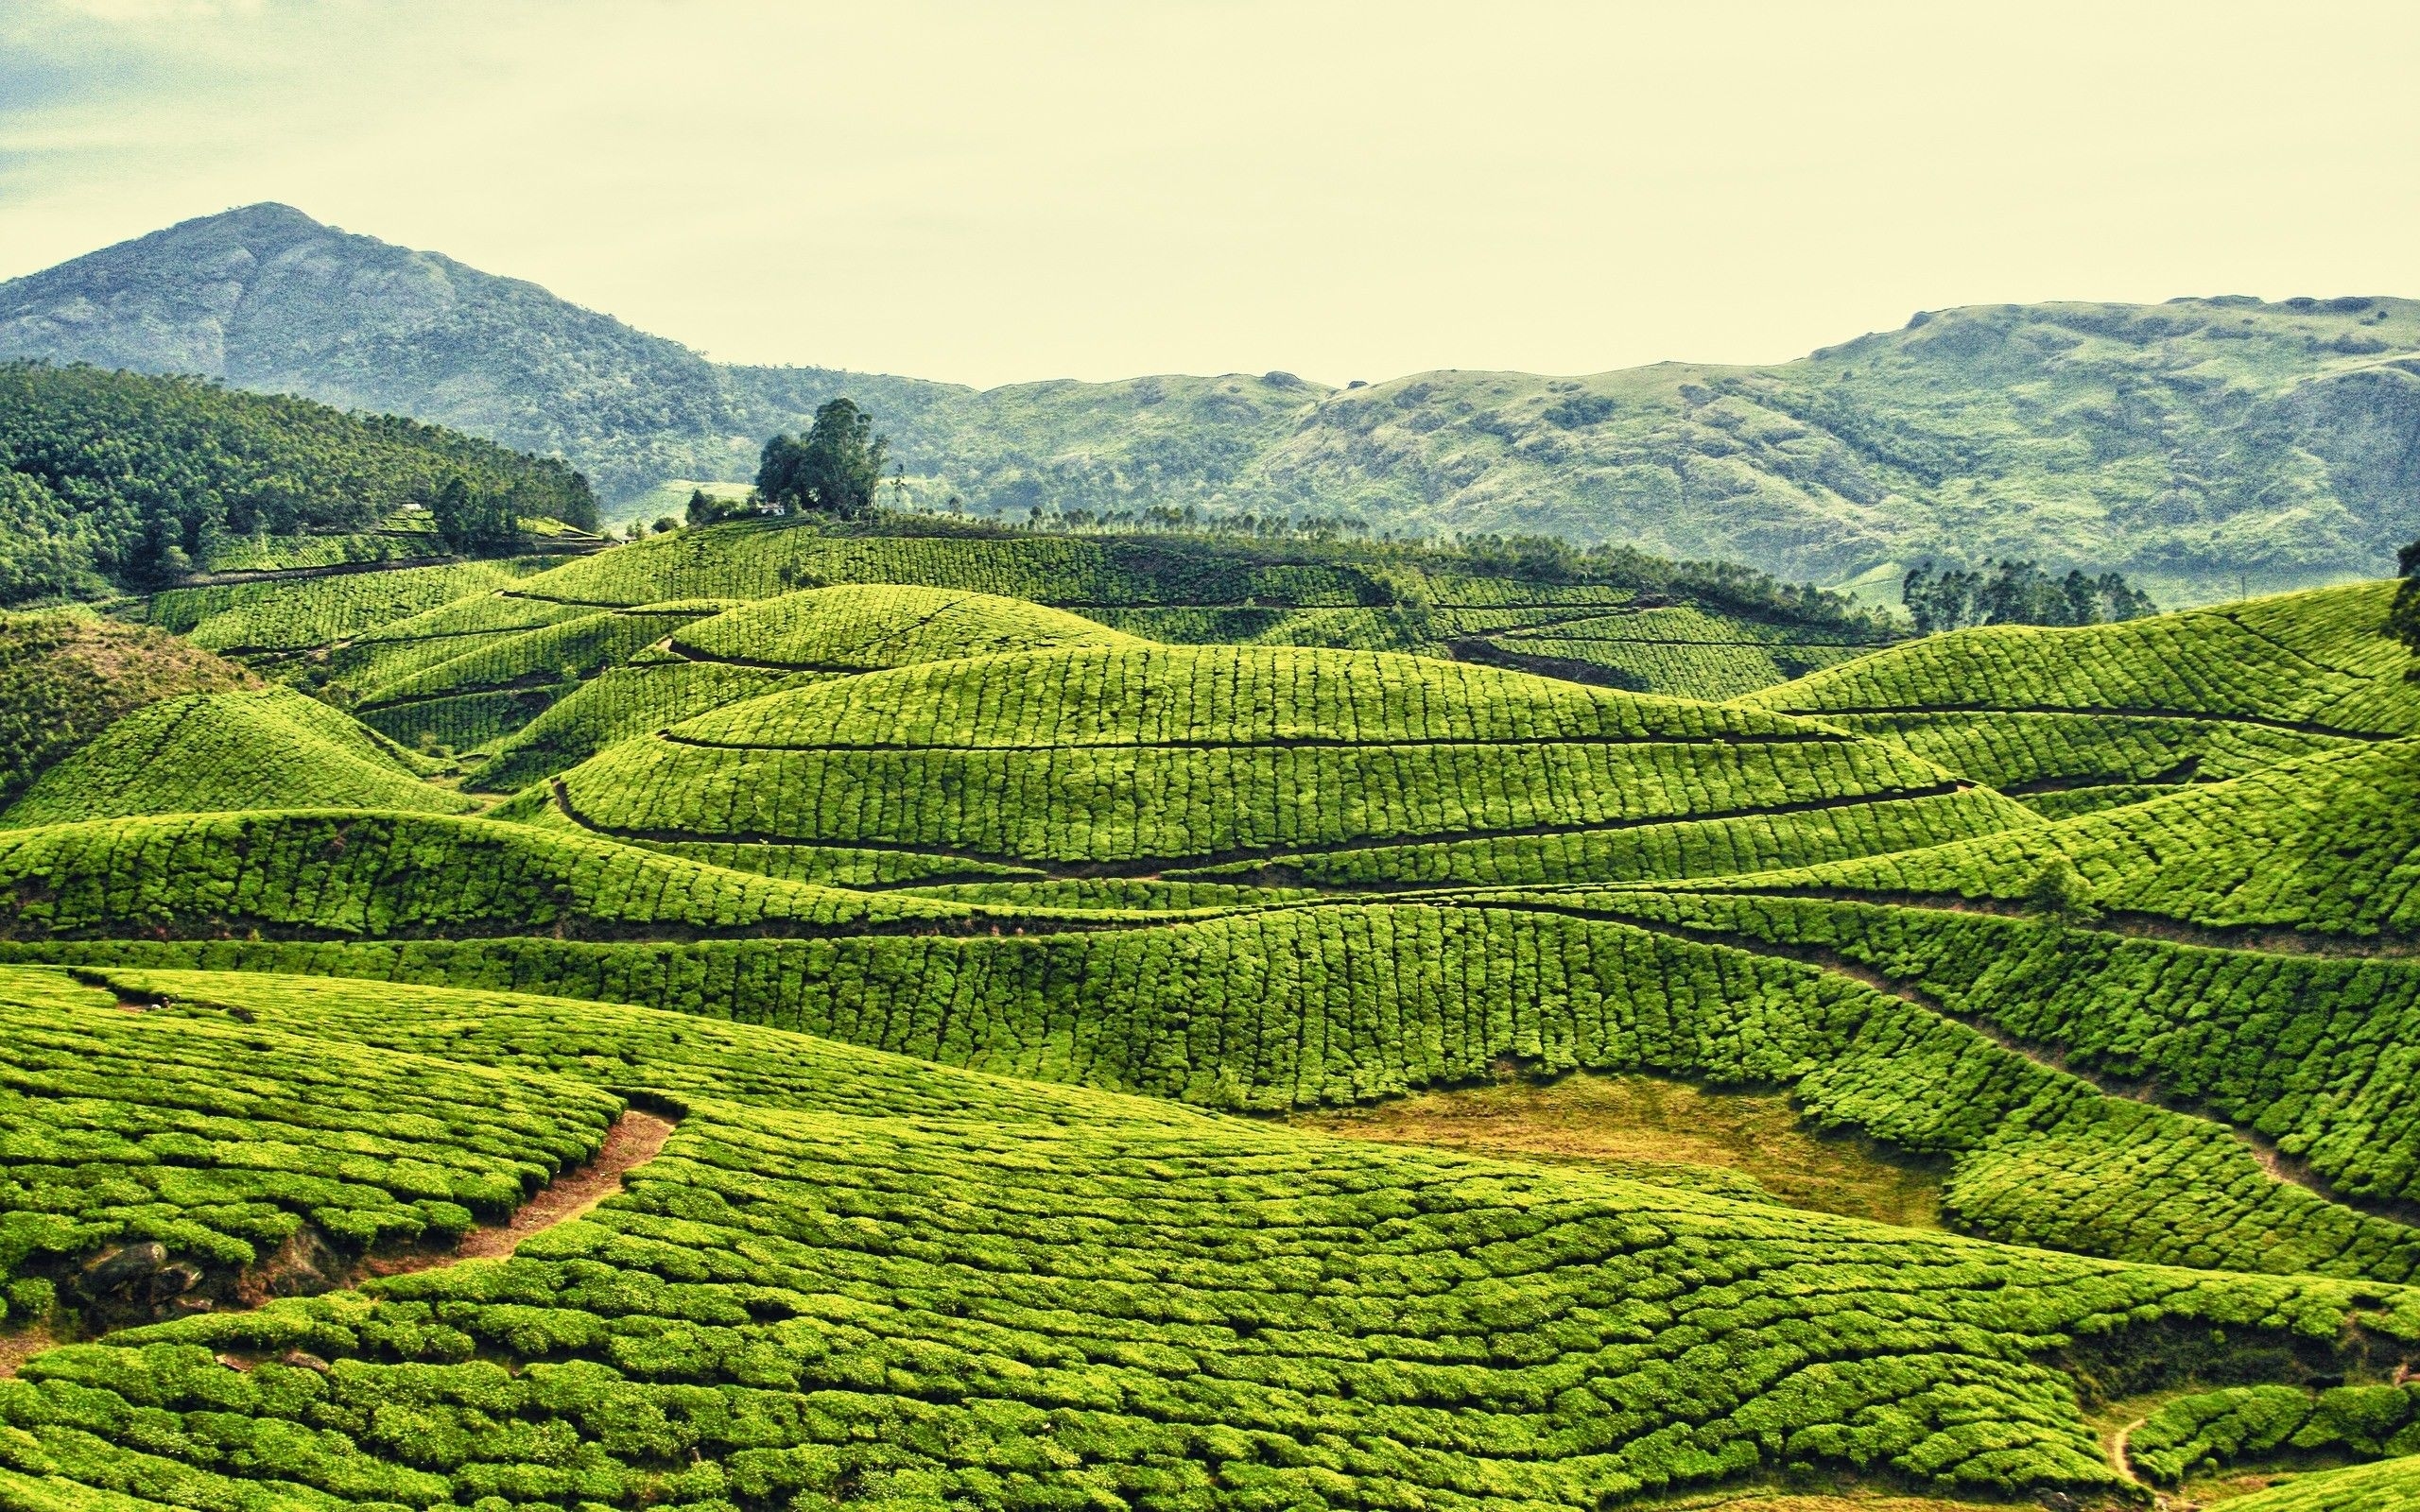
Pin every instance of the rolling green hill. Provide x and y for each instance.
(64, 677)
(470, 656)
(1147, 761)
(210, 753)
(2071, 720)
(2189, 444)
(850, 1277)
(969, 915)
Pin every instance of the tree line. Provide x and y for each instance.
(2010, 591)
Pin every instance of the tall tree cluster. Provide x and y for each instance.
(2010, 591)
(834, 469)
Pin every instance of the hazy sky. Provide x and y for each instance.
(991, 191)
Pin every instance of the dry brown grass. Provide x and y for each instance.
(1648, 1124)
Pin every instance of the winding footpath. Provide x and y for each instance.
(635, 1139)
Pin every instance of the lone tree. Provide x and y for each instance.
(835, 471)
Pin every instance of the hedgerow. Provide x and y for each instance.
(1297, 1007)
(339, 873)
(559, 652)
(2314, 1053)
(2208, 1430)
(499, 683)
(616, 704)
(1353, 630)
(2320, 845)
(274, 615)
(1206, 755)
(390, 652)
(868, 629)
(1713, 846)
(216, 753)
(2313, 659)
(1025, 1294)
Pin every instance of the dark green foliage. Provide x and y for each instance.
(2017, 593)
(475, 524)
(139, 480)
(833, 470)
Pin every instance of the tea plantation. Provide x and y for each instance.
(974, 905)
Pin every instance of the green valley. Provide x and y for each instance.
(1196, 1021)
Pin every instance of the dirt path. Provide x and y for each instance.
(2118, 1460)
(16, 1348)
(632, 1142)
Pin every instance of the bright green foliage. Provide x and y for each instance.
(271, 615)
(335, 874)
(390, 652)
(2209, 1430)
(65, 677)
(220, 1141)
(617, 703)
(2062, 764)
(1705, 845)
(849, 1277)
(2313, 661)
(498, 684)
(2084, 718)
(1215, 755)
(2391, 1487)
(1343, 629)
(1299, 1006)
(868, 629)
(2317, 1054)
(2323, 845)
(212, 752)
(140, 479)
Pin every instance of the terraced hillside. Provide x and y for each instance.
(468, 657)
(2072, 720)
(852, 1277)
(987, 951)
(1190, 762)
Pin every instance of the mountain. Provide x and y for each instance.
(2193, 444)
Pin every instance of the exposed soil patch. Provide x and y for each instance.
(16, 1348)
(1639, 1121)
(633, 1141)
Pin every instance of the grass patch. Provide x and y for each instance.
(1652, 1122)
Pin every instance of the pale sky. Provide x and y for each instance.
(989, 191)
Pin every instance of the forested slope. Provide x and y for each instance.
(110, 479)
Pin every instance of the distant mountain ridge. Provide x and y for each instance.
(2186, 443)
